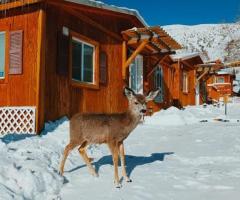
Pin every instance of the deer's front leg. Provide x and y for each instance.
(114, 150)
(123, 162)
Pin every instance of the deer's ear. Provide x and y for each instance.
(129, 93)
(151, 95)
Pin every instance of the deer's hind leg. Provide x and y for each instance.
(87, 160)
(66, 152)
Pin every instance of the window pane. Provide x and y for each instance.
(185, 82)
(220, 80)
(88, 64)
(2, 54)
(76, 60)
(136, 75)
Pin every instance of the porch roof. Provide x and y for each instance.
(159, 41)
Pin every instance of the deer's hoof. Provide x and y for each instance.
(129, 180)
(60, 172)
(90, 159)
(95, 174)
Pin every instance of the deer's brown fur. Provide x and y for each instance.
(111, 129)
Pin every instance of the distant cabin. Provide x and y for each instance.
(219, 85)
(58, 58)
(185, 90)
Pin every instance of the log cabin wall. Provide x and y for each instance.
(188, 98)
(180, 97)
(63, 99)
(167, 83)
(21, 89)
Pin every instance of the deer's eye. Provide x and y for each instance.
(136, 103)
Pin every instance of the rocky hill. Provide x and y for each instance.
(218, 41)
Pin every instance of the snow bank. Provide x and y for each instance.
(171, 116)
(29, 164)
(192, 115)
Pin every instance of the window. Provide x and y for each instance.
(185, 82)
(84, 62)
(2, 54)
(158, 84)
(220, 80)
(136, 75)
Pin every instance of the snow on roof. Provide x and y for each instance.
(185, 56)
(222, 72)
(99, 4)
(238, 77)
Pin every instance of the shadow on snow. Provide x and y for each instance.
(131, 161)
(49, 127)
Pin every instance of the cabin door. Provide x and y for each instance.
(136, 75)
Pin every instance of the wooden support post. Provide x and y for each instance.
(204, 73)
(155, 65)
(40, 71)
(124, 58)
(133, 56)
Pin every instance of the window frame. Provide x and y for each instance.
(185, 82)
(139, 79)
(85, 40)
(220, 78)
(4, 79)
(158, 71)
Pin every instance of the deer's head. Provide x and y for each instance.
(138, 102)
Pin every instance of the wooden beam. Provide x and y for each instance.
(204, 73)
(164, 53)
(41, 38)
(155, 65)
(15, 4)
(124, 58)
(161, 42)
(100, 27)
(132, 57)
(188, 65)
(91, 22)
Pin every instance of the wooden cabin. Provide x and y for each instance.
(214, 81)
(219, 84)
(156, 62)
(184, 79)
(60, 57)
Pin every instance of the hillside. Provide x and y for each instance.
(218, 40)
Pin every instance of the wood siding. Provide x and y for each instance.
(21, 89)
(61, 98)
(216, 91)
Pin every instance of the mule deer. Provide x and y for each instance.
(111, 129)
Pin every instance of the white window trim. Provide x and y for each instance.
(139, 56)
(185, 82)
(3, 77)
(94, 52)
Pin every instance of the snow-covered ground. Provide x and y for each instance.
(172, 156)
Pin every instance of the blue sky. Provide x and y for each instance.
(164, 12)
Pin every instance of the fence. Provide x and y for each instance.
(17, 120)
